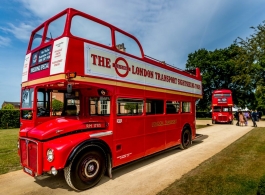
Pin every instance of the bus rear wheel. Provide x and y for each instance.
(185, 139)
(85, 170)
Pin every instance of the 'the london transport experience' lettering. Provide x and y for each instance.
(135, 70)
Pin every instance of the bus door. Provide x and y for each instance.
(129, 130)
(172, 123)
(155, 135)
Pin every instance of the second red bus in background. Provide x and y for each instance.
(222, 103)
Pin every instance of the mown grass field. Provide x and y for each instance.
(236, 170)
(9, 160)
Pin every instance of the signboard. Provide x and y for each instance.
(59, 55)
(108, 64)
(25, 70)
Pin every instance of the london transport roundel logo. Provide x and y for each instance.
(121, 67)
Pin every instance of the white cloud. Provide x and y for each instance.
(4, 41)
(22, 31)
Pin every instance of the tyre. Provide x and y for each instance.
(85, 170)
(185, 139)
(213, 121)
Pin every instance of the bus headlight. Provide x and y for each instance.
(50, 155)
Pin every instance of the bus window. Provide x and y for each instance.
(217, 109)
(90, 30)
(172, 107)
(27, 98)
(55, 28)
(37, 39)
(186, 107)
(99, 105)
(129, 106)
(27, 104)
(127, 44)
(57, 103)
(226, 109)
(154, 107)
(43, 103)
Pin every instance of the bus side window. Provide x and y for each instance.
(99, 105)
(154, 106)
(128, 106)
(186, 107)
(172, 107)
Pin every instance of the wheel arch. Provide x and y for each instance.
(96, 144)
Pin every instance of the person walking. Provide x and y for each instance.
(254, 118)
(241, 118)
(246, 117)
(236, 115)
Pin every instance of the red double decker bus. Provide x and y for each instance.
(91, 100)
(222, 104)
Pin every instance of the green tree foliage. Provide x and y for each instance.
(57, 105)
(250, 64)
(130, 107)
(8, 107)
(217, 70)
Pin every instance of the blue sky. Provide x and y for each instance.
(168, 30)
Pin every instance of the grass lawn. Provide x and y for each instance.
(9, 160)
(235, 170)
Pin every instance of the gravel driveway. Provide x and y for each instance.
(148, 176)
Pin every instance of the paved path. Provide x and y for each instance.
(145, 177)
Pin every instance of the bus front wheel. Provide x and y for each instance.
(85, 170)
(185, 139)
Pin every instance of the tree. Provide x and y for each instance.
(251, 64)
(56, 105)
(130, 107)
(217, 69)
(8, 107)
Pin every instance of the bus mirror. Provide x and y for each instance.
(69, 88)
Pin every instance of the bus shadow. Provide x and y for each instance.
(58, 181)
(53, 182)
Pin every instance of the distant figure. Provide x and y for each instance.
(241, 118)
(254, 118)
(236, 115)
(246, 117)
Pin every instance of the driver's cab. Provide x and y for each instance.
(50, 103)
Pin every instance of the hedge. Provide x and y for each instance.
(203, 114)
(9, 119)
